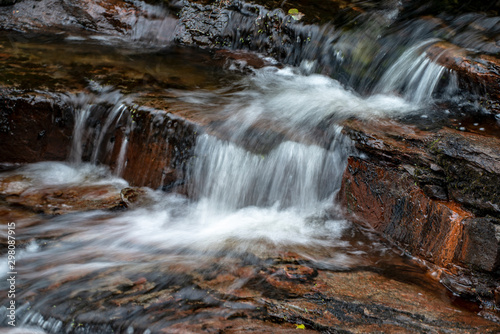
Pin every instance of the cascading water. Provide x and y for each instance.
(262, 185)
(155, 25)
(106, 104)
(415, 76)
(291, 152)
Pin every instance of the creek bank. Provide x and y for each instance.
(464, 44)
(435, 194)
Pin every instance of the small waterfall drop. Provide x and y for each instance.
(113, 116)
(280, 144)
(292, 174)
(103, 109)
(81, 116)
(415, 76)
(154, 26)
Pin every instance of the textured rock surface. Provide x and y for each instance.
(43, 135)
(463, 165)
(109, 17)
(38, 129)
(62, 200)
(236, 293)
(434, 194)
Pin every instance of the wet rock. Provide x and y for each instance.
(471, 163)
(334, 304)
(480, 244)
(463, 165)
(176, 297)
(159, 143)
(389, 200)
(44, 135)
(159, 149)
(243, 60)
(478, 69)
(14, 185)
(202, 25)
(134, 197)
(434, 194)
(107, 17)
(67, 199)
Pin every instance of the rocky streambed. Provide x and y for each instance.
(224, 190)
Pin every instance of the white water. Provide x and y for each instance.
(291, 175)
(415, 76)
(84, 108)
(250, 200)
(243, 199)
(154, 24)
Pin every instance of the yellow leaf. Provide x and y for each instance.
(301, 326)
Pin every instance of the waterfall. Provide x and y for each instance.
(121, 163)
(94, 114)
(280, 144)
(81, 115)
(292, 174)
(154, 26)
(113, 116)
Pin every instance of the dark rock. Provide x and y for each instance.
(21, 142)
(482, 70)
(133, 197)
(7, 2)
(435, 192)
(463, 165)
(158, 150)
(112, 18)
(390, 201)
(471, 163)
(480, 247)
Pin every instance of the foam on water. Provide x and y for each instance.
(296, 101)
(56, 173)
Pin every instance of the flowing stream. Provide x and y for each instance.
(260, 190)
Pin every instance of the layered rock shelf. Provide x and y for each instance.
(435, 194)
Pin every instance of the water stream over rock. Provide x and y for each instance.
(239, 157)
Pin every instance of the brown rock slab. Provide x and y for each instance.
(66, 199)
(108, 17)
(463, 165)
(43, 135)
(471, 163)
